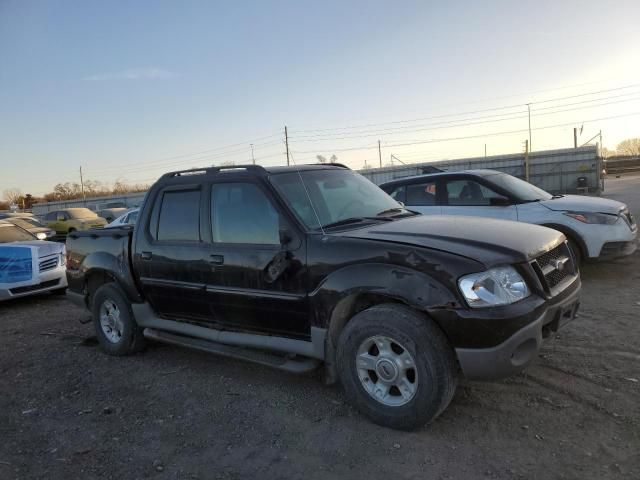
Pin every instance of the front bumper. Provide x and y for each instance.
(516, 352)
(54, 279)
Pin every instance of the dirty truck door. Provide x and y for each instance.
(257, 271)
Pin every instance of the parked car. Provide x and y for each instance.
(37, 267)
(73, 219)
(129, 218)
(110, 214)
(597, 228)
(317, 264)
(33, 226)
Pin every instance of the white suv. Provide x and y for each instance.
(597, 228)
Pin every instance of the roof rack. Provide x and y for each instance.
(213, 170)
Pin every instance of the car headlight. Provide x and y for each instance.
(496, 286)
(590, 217)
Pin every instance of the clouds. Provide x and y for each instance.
(149, 73)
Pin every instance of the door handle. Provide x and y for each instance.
(146, 255)
(216, 259)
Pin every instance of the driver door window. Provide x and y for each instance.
(469, 197)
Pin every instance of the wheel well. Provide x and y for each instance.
(350, 306)
(95, 280)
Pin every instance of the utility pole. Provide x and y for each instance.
(575, 137)
(526, 160)
(529, 110)
(379, 154)
(485, 150)
(286, 142)
(253, 159)
(84, 198)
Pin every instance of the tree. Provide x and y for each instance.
(12, 195)
(630, 146)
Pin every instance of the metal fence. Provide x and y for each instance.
(556, 171)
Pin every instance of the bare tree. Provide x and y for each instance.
(321, 159)
(12, 195)
(630, 146)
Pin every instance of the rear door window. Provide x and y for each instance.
(421, 194)
(469, 193)
(179, 218)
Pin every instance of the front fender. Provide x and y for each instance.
(403, 284)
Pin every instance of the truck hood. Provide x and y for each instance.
(485, 240)
(580, 203)
(44, 248)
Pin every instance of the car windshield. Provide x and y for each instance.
(23, 222)
(519, 188)
(336, 195)
(78, 213)
(32, 222)
(11, 233)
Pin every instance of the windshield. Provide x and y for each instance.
(518, 188)
(31, 222)
(336, 195)
(81, 213)
(24, 223)
(11, 233)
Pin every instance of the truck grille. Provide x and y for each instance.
(554, 266)
(48, 264)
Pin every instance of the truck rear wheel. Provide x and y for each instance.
(116, 328)
(396, 366)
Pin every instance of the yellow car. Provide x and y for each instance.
(72, 219)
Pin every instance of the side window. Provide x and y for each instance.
(421, 194)
(63, 216)
(51, 216)
(399, 194)
(179, 218)
(469, 193)
(242, 213)
(133, 216)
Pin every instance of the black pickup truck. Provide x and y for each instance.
(298, 267)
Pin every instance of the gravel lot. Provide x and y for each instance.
(68, 411)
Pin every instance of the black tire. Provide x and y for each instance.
(131, 339)
(59, 291)
(435, 365)
(71, 230)
(576, 251)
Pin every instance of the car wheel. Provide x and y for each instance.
(71, 230)
(396, 366)
(116, 328)
(575, 250)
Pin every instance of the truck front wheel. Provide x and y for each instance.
(116, 329)
(396, 366)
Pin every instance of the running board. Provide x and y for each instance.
(293, 365)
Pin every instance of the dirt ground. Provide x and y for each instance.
(68, 411)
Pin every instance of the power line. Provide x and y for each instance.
(449, 124)
(520, 105)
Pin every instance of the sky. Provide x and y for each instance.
(131, 89)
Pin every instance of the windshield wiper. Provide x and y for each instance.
(389, 210)
(346, 221)
(553, 197)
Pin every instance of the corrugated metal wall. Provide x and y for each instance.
(556, 171)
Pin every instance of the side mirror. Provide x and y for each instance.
(41, 236)
(285, 236)
(499, 202)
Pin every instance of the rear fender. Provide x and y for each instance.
(114, 267)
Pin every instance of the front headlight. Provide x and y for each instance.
(496, 286)
(590, 217)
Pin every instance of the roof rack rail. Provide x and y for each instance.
(212, 170)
